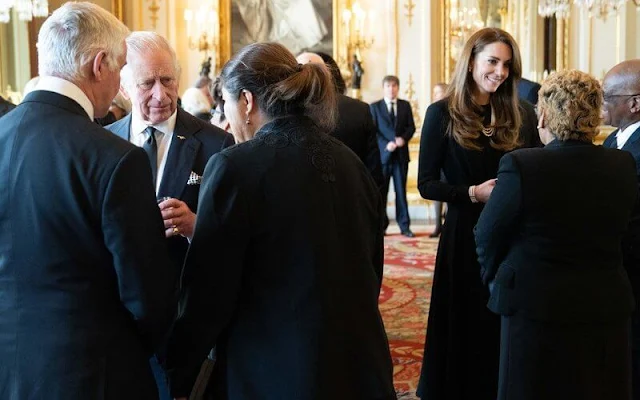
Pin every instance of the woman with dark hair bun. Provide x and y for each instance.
(285, 266)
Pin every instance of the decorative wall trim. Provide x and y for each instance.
(409, 6)
(153, 9)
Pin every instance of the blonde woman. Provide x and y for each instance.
(549, 240)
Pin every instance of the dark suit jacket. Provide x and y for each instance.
(387, 132)
(355, 128)
(631, 240)
(528, 90)
(550, 233)
(201, 141)
(86, 290)
(5, 106)
(283, 273)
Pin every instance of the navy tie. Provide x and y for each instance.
(392, 113)
(151, 147)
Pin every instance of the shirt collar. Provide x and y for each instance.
(629, 129)
(167, 127)
(67, 89)
(388, 101)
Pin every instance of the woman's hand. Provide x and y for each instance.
(483, 190)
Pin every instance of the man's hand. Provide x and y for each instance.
(178, 218)
(400, 141)
(391, 147)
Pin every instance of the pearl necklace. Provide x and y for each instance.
(489, 131)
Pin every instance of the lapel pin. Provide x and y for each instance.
(181, 137)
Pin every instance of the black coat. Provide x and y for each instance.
(194, 142)
(356, 129)
(283, 274)
(457, 364)
(387, 132)
(552, 257)
(86, 290)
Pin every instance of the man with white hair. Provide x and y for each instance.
(178, 144)
(86, 290)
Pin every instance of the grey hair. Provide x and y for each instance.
(140, 43)
(73, 35)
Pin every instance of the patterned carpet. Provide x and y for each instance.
(404, 302)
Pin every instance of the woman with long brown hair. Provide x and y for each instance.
(464, 136)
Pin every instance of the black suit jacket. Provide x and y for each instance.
(631, 240)
(356, 129)
(528, 90)
(550, 234)
(387, 132)
(86, 289)
(283, 273)
(194, 142)
(5, 106)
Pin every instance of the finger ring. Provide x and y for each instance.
(176, 230)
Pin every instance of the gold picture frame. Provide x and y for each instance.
(224, 45)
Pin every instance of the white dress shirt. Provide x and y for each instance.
(67, 89)
(164, 135)
(623, 136)
(392, 103)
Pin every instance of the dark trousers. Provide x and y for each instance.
(398, 171)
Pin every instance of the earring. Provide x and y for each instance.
(248, 122)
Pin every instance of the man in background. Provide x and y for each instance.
(394, 121)
(87, 292)
(178, 145)
(621, 109)
(354, 125)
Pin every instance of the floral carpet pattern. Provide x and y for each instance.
(404, 302)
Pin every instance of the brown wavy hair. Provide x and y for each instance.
(281, 85)
(466, 120)
(571, 101)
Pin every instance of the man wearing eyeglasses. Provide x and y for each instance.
(622, 109)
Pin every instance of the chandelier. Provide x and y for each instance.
(600, 8)
(26, 9)
(465, 18)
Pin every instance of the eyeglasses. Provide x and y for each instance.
(609, 97)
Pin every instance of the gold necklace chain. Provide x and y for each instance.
(489, 131)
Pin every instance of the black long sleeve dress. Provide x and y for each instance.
(462, 343)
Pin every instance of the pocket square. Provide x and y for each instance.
(194, 179)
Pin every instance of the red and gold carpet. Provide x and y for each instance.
(404, 302)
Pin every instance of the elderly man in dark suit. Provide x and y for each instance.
(178, 144)
(355, 126)
(394, 121)
(5, 106)
(87, 292)
(622, 109)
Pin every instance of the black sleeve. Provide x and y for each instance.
(433, 149)
(212, 273)
(134, 234)
(373, 163)
(410, 127)
(499, 219)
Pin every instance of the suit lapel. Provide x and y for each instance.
(634, 136)
(610, 141)
(384, 111)
(182, 153)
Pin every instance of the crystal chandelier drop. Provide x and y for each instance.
(599, 8)
(26, 9)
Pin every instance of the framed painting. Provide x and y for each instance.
(298, 24)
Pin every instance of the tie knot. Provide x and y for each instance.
(150, 130)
